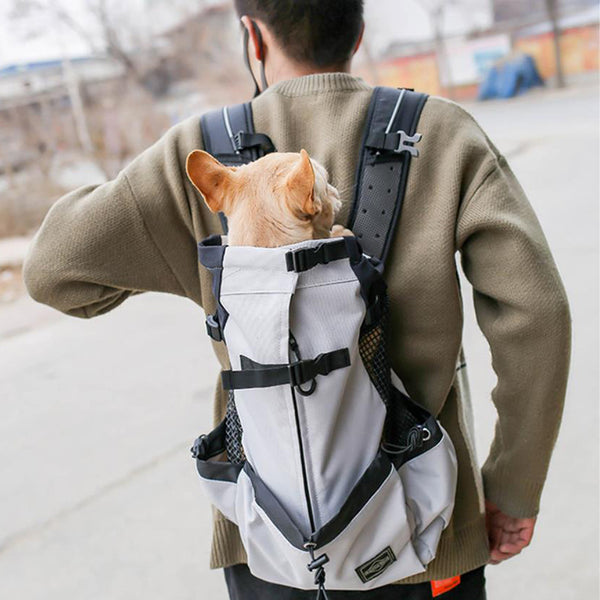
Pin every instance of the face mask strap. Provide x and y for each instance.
(263, 77)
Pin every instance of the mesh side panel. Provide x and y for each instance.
(233, 432)
(399, 421)
(373, 348)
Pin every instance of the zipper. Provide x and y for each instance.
(294, 348)
(311, 517)
(315, 565)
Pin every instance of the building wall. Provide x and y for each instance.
(515, 10)
(579, 49)
(419, 72)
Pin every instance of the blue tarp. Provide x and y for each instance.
(510, 77)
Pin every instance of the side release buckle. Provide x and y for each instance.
(199, 448)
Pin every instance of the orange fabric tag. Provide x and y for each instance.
(444, 585)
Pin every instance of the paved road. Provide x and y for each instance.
(99, 498)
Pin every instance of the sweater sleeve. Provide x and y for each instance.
(100, 244)
(522, 310)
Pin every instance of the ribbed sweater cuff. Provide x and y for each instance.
(227, 548)
(515, 496)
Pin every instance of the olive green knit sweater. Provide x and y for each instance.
(100, 244)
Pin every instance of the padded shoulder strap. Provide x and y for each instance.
(228, 134)
(387, 149)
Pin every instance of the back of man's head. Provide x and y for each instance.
(318, 33)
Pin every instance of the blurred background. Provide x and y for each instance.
(99, 498)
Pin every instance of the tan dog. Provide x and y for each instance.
(280, 199)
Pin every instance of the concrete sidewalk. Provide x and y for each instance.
(100, 499)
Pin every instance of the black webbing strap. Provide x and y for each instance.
(228, 134)
(307, 258)
(210, 445)
(388, 145)
(294, 374)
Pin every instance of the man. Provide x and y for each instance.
(99, 245)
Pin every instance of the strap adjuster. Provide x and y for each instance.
(404, 140)
(244, 140)
(296, 261)
(300, 372)
(303, 371)
(395, 142)
(213, 328)
(295, 374)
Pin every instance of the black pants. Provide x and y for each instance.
(242, 585)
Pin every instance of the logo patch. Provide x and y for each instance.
(376, 566)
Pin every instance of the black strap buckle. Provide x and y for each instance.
(199, 448)
(213, 328)
(244, 140)
(307, 370)
(294, 374)
(307, 258)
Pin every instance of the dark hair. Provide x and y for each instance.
(320, 33)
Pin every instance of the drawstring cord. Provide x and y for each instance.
(416, 436)
(317, 565)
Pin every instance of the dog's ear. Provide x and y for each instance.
(300, 186)
(212, 179)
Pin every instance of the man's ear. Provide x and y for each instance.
(256, 37)
(300, 186)
(212, 179)
(360, 39)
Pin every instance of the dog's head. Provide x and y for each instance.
(280, 199)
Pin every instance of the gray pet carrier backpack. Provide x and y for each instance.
(334, 476)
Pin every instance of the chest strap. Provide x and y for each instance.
(307, 258)
(294, 374)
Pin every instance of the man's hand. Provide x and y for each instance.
(507, 535)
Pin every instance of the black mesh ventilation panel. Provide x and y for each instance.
(233, 432)
(401, 416)
(372, 346)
